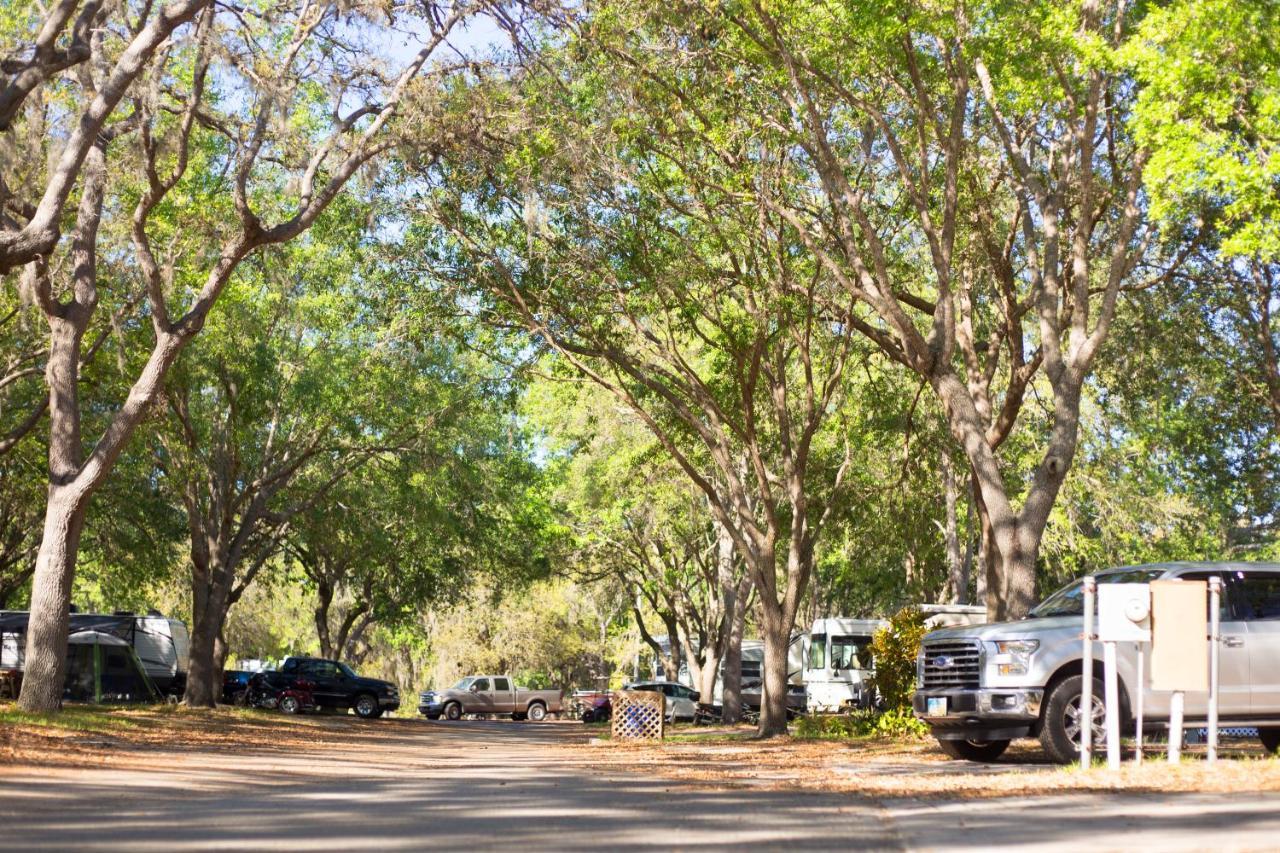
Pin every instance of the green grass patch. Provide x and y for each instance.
(80, 718)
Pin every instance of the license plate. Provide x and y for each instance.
(937, 706)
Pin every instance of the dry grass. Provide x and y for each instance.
(915, 768)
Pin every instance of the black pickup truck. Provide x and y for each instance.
(337, 687)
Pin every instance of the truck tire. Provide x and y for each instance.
(1060, 731)
(366, 706)
(1270, 738)
(974, 750)
(537, 712)
(453, 711)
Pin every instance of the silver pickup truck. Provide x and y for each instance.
(982, 686)
(488, 695)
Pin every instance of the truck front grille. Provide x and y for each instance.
(951, 664)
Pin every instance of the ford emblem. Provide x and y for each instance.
(942, 661)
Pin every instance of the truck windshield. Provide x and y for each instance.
(1069, 601)
(464, 683)
(346, 670)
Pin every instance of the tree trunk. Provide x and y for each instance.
(220, 651)
(46, 652)
(731, 692)
(957, 570)
(210, 590)
(324, 598)
(773, 699)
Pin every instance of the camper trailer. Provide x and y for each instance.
(160, 644)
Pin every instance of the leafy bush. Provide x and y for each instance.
(895, 648)
(895, 723)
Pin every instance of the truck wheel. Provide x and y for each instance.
(974, 750)
(1270, 738)
(1060, 733)
(453, 711)
(366, 706)
(537, 712)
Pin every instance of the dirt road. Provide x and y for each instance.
(487, 785)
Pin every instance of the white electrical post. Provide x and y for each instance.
(1089, 589)
(1113, 704)
(1142, 688)
(1215, 631)
(1124, 616)
(1175, 727)
(1179, 653)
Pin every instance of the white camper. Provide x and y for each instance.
(838, 667)
(162, 645)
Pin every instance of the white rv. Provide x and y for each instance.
(161, 644)
(838, 667)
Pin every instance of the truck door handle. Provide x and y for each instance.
(1233, 642)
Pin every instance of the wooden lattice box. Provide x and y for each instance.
(639, 715)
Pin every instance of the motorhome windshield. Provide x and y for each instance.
(817, 651)
(1069, 601)
(850, 652)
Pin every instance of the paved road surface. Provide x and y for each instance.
(490, 785)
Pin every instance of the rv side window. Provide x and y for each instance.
(818, 651)
(847, 652)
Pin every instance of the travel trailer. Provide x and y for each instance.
(161, 644)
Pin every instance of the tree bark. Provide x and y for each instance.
(773, 699)
(957, 569)
(46, 650)
(210, 591)
(731, 693)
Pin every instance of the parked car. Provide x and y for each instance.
(489, 695)
(682, 701)
(982, 686)
(336, 687)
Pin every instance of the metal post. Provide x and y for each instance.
(1113, 705)
(1175, 727)
(1090, 590)
(1142, 687)
(1215, 631)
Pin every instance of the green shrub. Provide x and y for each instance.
(895, 648)
(897, 723)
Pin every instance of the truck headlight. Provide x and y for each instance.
(1013, 657)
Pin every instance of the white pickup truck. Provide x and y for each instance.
(489, 695)
(980, 687)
